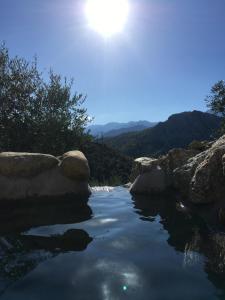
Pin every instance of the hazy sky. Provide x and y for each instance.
(165, 61)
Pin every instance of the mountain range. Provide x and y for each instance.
(178, 131)
(114, 128)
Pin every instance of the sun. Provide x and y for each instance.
(107, 17)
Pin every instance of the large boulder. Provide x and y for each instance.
(183, 174)
(201, 178)
(74, 165)
(156, 175)
(178, 157)
(141, 165)
(150, 182)
(31, 175)
(208, 182)
(15, 164)
(49, 183)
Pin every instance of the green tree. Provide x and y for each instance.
(38, 115)
(216, 101)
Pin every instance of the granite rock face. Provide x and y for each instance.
(25, 164)
(156, 175)
(153, 182)
(35, 175)
(182, 175)
(198, 175)
(208, 183)
(141, 165)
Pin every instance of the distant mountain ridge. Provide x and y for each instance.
(178, 131)
(115, 128)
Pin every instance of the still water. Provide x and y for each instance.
(112, 247)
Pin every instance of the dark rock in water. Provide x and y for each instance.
(71, 240)
(20, 216)
(190, 232)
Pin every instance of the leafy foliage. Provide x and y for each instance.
(216, 101)
(108, 166)
(40, 116)
(35, 115)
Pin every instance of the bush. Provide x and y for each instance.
(37, 115)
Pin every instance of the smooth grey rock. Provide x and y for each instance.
(31, 175)
(74, 165)
(14, 164)
(150, 183)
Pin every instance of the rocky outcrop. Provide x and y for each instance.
(208, 183)
(141, 165)
(33, 175)
(182, 175)
(202, 177)
(153, 181)
(198, 175)
(156, 175)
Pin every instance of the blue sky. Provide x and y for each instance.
(165, 61)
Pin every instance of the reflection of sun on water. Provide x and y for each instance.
(107, 16)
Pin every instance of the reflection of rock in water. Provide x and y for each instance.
(20, 254)
(214, 250)
(189, 233)
(71, 240)
(212, 246)
(192, 250)
(180, 224)
(16, 217)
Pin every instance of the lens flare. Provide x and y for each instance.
(107, 17)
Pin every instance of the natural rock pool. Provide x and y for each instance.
(114, 247)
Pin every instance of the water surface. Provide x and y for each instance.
(113, 247)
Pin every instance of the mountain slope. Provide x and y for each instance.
(178, 131)
(136, 128)
(114, 128)
(108, 166)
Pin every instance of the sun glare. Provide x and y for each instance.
(107, 17)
